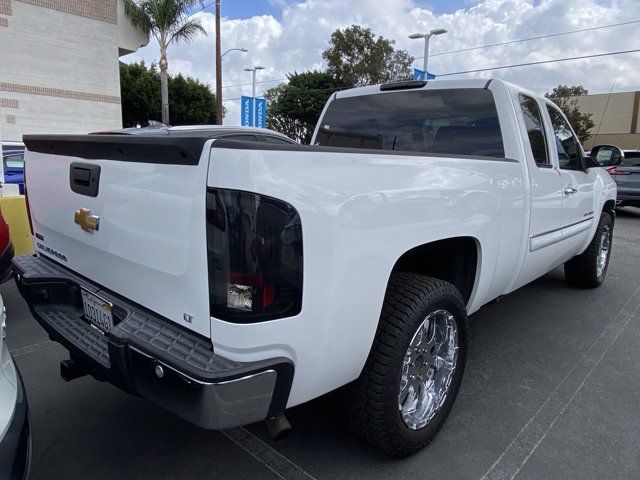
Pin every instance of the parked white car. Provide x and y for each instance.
(272, 274)
(15, 430)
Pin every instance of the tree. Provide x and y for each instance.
(564, 97)
(191, 101)
(295, 107)
(168, 22)
(358, 58)
(139, 94)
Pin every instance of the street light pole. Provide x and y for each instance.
(425, 60)
(427, 36)
(218, 68)
(234, 49)
(253, 90)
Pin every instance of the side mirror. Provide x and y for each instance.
(607, 155)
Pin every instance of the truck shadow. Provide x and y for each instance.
(629, 212)
(520, 347)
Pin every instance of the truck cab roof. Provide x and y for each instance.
(426, 84)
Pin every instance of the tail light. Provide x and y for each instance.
(4, 234)
(254, 247)
(616, 171)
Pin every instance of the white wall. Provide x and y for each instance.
(129, 37)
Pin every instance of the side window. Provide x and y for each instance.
(276, 141)
(569, 152)
(14, 161)
(535, 130)
(245, 138)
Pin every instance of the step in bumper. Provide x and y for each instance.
(148, 355)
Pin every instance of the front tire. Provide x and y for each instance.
(589, 269)
(414, 370)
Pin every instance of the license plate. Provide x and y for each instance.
(97, 311)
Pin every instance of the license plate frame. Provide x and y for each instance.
(97, 311)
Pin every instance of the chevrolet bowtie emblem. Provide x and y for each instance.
(87, 222)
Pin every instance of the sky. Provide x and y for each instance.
(287, 36)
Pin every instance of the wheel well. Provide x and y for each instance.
(454, 260)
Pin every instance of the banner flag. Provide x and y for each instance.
(261, 113)
(246, 111)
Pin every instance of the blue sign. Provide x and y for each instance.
(261, 113)
(420, 75)
(246, 111)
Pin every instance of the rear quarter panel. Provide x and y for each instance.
(360, 212)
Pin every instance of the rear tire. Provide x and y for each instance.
(589, 269)
(420, 348)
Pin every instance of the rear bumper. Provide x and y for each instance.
(147, 355)
(15, 447)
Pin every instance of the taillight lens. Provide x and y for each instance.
(254, 247)
(616, 171)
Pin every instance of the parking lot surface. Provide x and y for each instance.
(551, 390)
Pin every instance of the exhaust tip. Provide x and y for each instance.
(279, 427)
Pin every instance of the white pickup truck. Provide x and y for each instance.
(228, 280)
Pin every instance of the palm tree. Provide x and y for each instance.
(168, 22)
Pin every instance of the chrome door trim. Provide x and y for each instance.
(554, 236)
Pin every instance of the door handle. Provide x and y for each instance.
(570, 190)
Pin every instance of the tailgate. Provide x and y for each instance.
(150, 242)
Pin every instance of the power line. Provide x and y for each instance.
(510, 42)
(249, 83)
(200, 9)
(582, 57)
(541, 62)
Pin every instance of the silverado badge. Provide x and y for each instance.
(87, 222)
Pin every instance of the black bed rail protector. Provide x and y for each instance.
(166, 150)
(248, 145)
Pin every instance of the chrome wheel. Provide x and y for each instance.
(427, 369)
(603, 253)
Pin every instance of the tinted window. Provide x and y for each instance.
(569, 152)
(246, 138)
(535, 129)
(277, 141)
(455, 121)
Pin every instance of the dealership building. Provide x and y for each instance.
(59, 65)
(615, 117)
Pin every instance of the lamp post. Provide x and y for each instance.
(427, 36)
(253, 90)
(218, 67)
(219, 83)
(234, 49)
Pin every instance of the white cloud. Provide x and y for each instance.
(296, 42)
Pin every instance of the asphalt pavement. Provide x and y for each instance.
(551, 391)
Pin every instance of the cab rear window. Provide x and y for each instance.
(449, 121)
